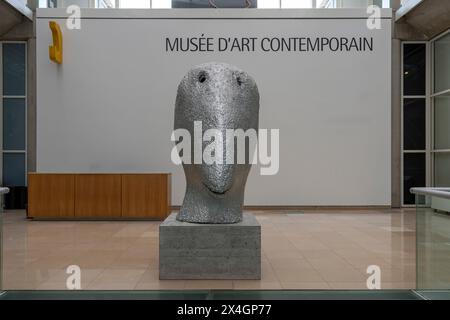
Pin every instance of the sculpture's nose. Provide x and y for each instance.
(218, 178)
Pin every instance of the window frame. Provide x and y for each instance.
(25, 97)
(427, 98)
(430, 95)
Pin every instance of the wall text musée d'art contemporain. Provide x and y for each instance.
(269, 44)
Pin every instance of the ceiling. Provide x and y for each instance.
(428, 18)
(12, 13)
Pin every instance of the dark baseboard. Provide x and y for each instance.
(309, 208)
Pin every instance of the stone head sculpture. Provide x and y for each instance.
(221, 97)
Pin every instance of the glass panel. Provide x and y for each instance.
(14, 69)
(433, 251)
(125, 4)
(413, 174)
(442, 64)
(442, 170)
(293, 4)
(161, 4)
(441, 122)
(13, 169)
(268, 4)
(217, 3)
(105, 4)
(414, 124)
(14, 124)
(414, 60)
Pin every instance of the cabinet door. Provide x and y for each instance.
(98, 196)
(145, 196)
(51, 195)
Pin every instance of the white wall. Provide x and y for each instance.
(109, 106)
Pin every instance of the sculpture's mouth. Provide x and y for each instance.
(217, 193)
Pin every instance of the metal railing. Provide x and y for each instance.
(436, 192)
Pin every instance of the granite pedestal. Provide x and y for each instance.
(210, 251)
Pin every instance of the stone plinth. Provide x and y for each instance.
(210, 251)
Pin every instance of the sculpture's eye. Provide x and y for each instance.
(239, 80)
(202, 77)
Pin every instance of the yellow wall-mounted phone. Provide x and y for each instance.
(56, 50)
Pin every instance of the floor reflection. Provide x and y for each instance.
(312, 249)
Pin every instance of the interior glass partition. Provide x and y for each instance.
(433, 250)
(441, 109)
(433, 204)
(2, 192)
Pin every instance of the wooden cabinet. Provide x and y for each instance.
(51, 195)
(145, 194)
(99, 196)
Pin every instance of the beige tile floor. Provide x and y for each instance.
(328, 249)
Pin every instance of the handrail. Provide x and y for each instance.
(436, 192)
